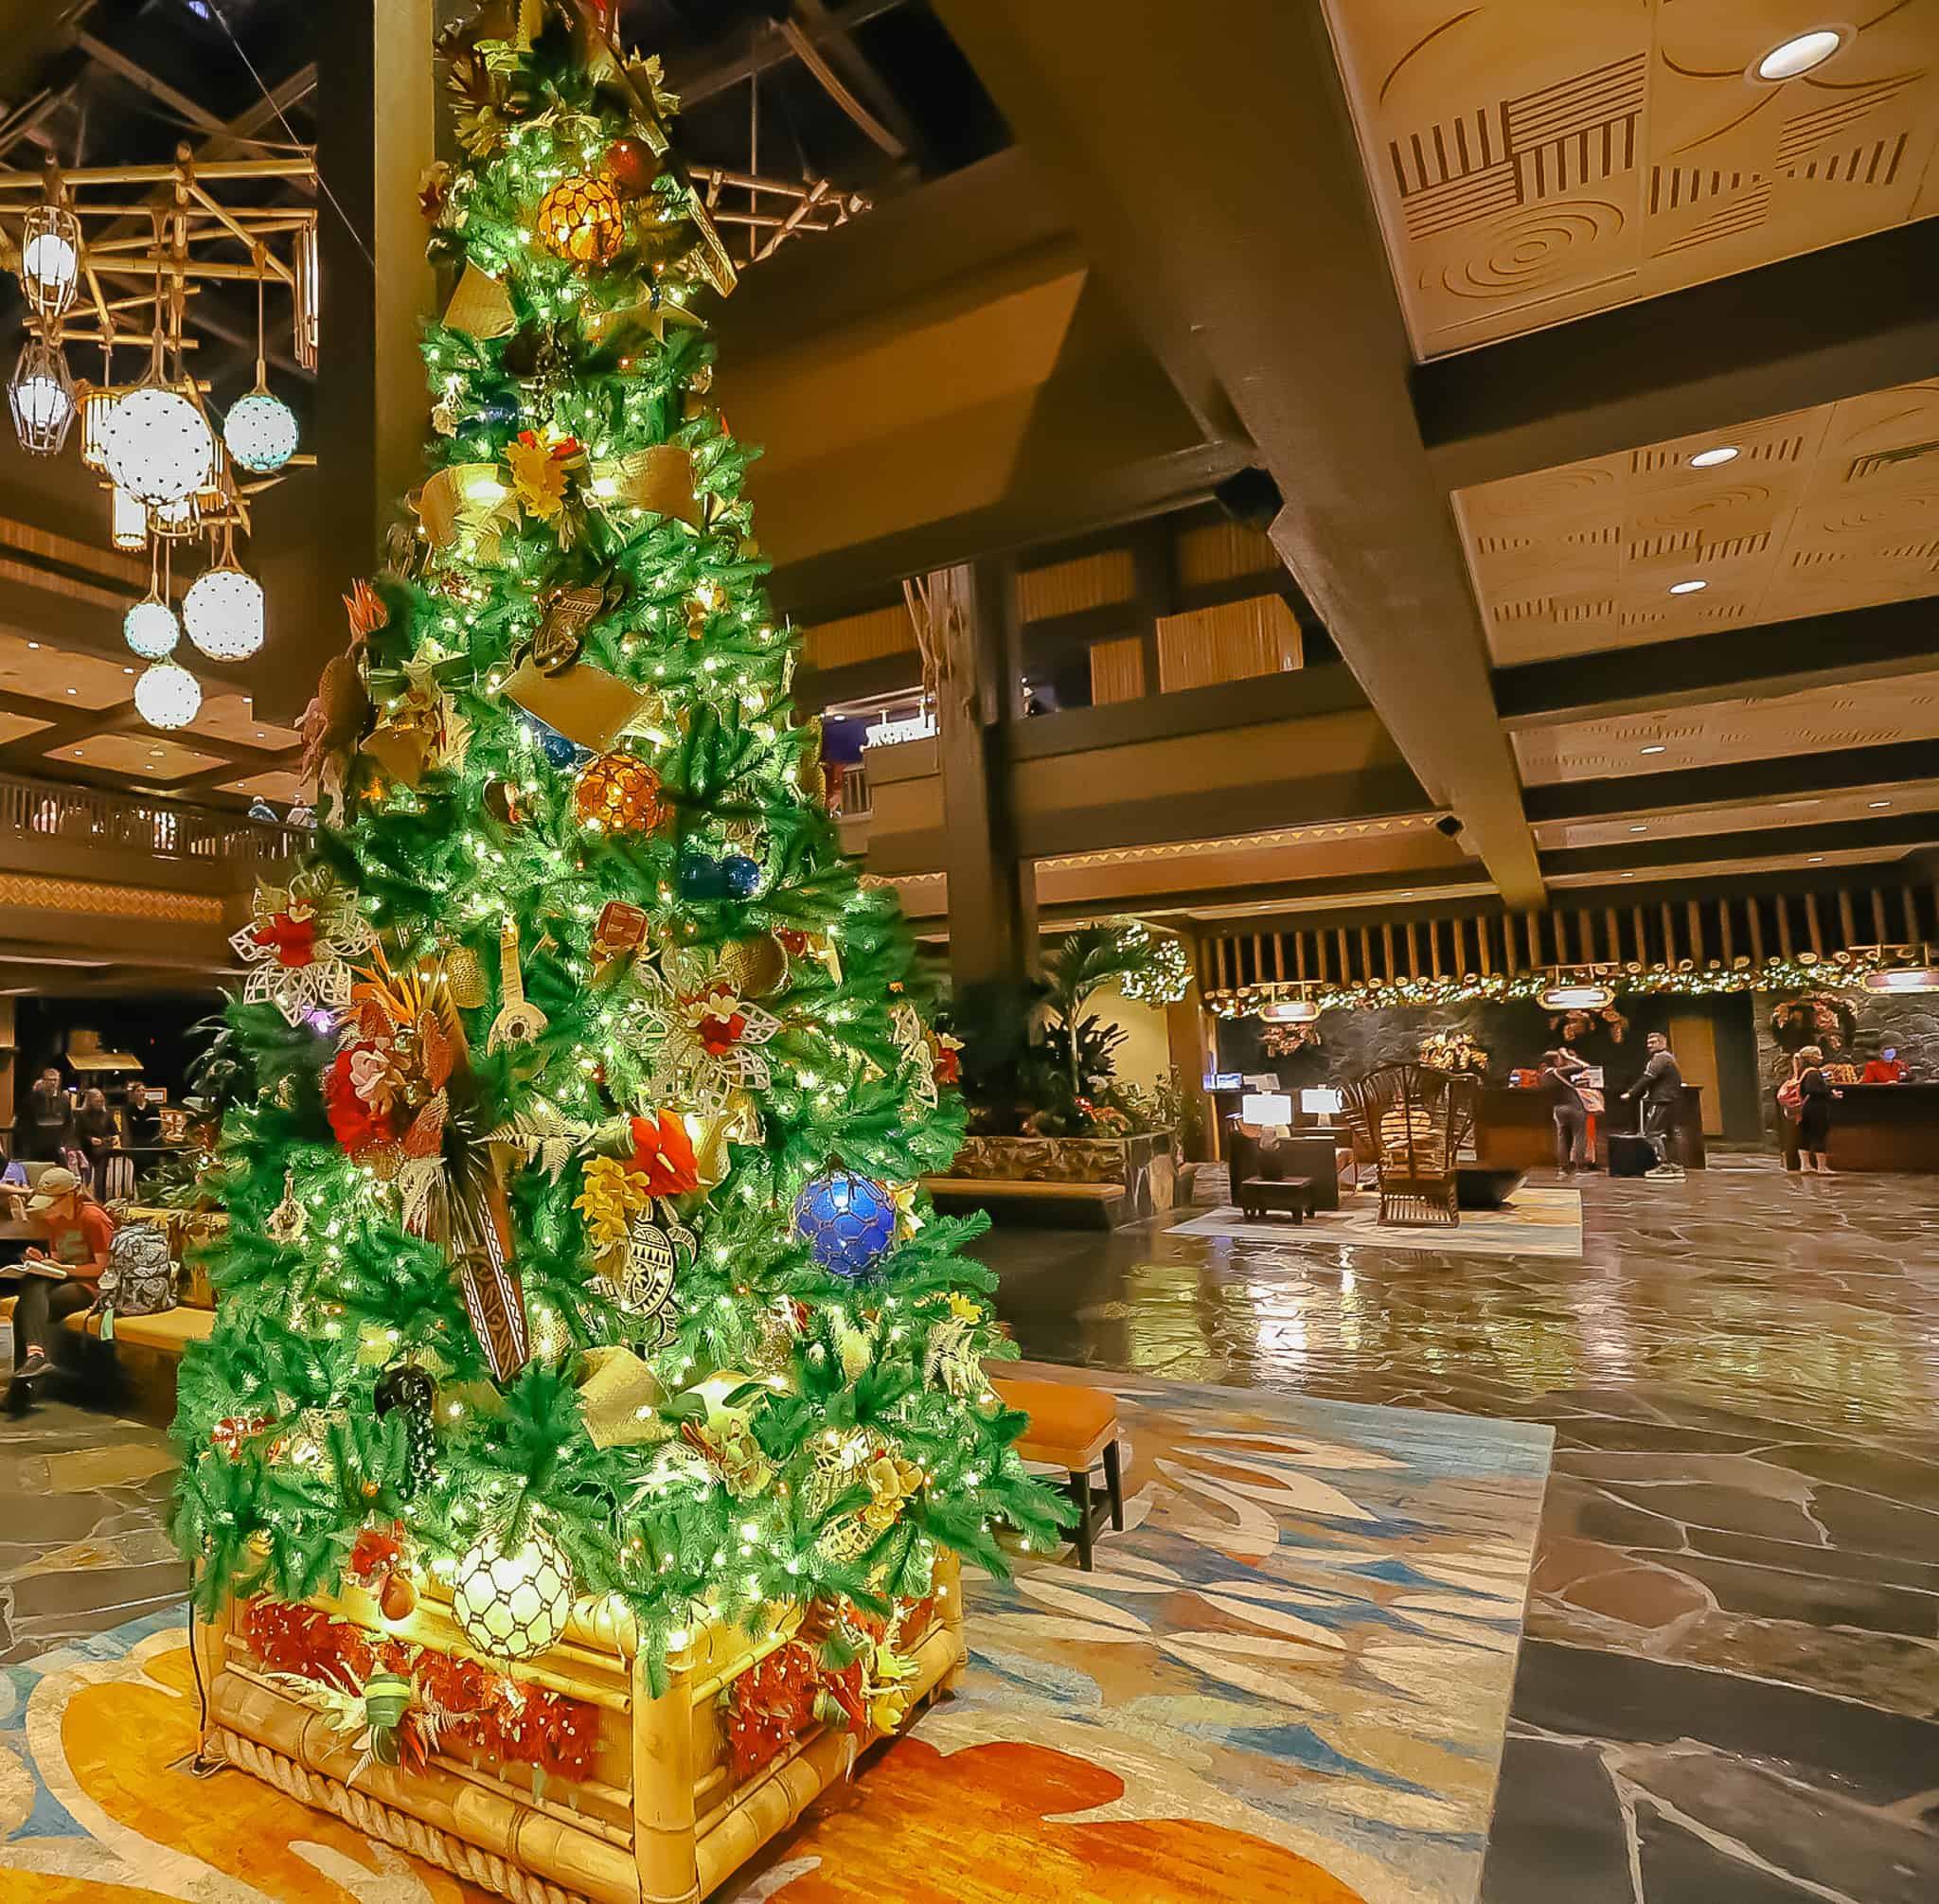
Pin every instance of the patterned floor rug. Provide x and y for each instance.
(1288, 1677)
(1536, 1222)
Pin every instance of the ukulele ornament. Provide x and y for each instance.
(519, 1021)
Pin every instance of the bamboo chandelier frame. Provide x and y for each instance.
(152, 236)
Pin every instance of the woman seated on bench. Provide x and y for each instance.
(64, 1277)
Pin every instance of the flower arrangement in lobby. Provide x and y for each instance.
(578, 1276)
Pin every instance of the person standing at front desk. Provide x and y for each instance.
(1660, 1088)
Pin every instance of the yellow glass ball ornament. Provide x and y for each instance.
(512, 1605)
(582, 221)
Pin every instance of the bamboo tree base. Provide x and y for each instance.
(659, 1821)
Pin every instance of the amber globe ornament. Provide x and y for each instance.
(630, 167)
(582, 221)
(618, 794)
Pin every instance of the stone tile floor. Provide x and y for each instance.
(1730, 1690)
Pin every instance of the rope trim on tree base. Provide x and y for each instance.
(377, 1820)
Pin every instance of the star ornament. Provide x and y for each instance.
(299, 943)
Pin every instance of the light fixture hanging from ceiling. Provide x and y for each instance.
(261, 429)
(150, 627)
(1577, 991)
(166, 696)
(127, 520)
(223, 610)
(97, 402)
(50, 252)
(159, 445)
(41, 395)
(1289, 1011)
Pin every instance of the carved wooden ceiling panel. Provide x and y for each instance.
(1533, 161)
(1832, 507)
(1865, 802)
(1863, 714)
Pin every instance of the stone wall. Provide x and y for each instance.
(1910, 1023)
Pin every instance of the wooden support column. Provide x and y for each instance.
(992, 893)
(1154, 567)
(376, 100)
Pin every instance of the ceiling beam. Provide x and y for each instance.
(1735, 784)
(137, 75)
(1888, 833)
(1216, 182)
(763, 48)
(1782, 657)
(1831, 324)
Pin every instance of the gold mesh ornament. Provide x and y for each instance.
(581, 219)
(620, 793)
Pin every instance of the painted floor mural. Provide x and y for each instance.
(1289, 1677)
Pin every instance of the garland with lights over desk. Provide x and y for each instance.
(595, 1419)
(1884, 969)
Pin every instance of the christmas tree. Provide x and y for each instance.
(574, 1245)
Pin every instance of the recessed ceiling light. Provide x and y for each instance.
(1638, 830)
(1816, 860)
(156, 753)
(260, 734)
(1658, 748)
(1709, 459)
(1881, 803)
(1799, 54)
(74, 690)
(1687, 587)
(77, 755)
(33, 644)
(1629, 876)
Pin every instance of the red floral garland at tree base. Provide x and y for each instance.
(794, 1689)
(490, 1713)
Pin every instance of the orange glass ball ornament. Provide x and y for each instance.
(581, 219)
(619, 793)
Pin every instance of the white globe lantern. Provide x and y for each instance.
(150, 630)
(260, 430)
(159, 446)
(41, 395)
(511, 1606)
(223, 611)
(167, 696)
(50, 259)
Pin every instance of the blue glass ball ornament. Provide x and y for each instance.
(743, 874)
(560, 753)
(848, 1221)
(702, 877)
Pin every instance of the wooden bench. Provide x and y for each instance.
(1086, 1206)
(157, 1342)
(1072, 1427)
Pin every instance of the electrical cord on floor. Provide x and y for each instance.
(199, 1764)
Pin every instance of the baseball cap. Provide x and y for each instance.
(54, 1185)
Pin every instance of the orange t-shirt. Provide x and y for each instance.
(81, 1239)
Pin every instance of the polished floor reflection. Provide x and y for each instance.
(1732, 1680)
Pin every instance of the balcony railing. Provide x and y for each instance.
(53, 811)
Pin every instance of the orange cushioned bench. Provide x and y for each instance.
(167, 1333)
(1072, 1427)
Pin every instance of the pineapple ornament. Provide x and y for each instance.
(410, 1388)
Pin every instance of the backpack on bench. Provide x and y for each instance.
(138, 1279)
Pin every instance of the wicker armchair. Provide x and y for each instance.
(1415, 1120)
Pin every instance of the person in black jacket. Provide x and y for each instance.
(49, 1117)
(1660, 1088)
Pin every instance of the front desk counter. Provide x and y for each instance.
(1880, 1127)
(1515, 1129)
